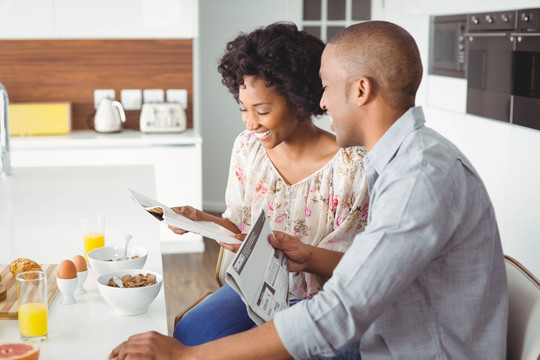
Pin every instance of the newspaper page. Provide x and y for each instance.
(164, 213)
(259, 274)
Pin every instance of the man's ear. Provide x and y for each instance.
(363, 90)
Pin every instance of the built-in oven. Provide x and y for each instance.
(490, 64)
(447, 50)
(526, 87)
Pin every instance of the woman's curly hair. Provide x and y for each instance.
(284, 58)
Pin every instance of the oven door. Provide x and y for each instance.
(526, 107)
(489, 75)
(447, 50)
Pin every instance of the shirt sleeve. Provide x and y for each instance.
(411, 221)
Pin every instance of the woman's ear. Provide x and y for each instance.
(364, 88)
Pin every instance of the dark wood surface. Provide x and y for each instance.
(187, 277)
(70, 71)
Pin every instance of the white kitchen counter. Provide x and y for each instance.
(84, 139)
(175, 160)
(40, 210)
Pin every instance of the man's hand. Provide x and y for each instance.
(304, 257)
(298, 253)
(149, 346)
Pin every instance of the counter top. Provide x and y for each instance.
(92, 139)
(41, 220)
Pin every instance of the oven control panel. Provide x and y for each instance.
(162, 118)
(492, 21)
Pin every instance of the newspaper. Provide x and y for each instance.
(259, 274)
(167, 215)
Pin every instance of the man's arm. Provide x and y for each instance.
(261, 342)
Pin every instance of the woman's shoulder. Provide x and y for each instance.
(246, 139)
(352, 156)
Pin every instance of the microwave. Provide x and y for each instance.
(447, 45)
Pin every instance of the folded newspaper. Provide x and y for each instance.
(167, 215)
(259, 274)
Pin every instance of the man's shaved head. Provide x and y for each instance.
(387, 55)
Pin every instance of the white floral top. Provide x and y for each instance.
(325, 209)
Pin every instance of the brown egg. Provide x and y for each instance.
(66, 270)
(80, 263)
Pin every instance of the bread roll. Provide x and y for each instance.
(22, 264)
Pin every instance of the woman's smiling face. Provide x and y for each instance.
(265, 112)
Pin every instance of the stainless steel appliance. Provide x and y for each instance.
(447, 50)
(490, 64)
(526, 88)
(162, 118)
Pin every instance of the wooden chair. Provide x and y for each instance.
(523, 340)
(224, 259)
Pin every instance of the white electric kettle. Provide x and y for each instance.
(109, 116)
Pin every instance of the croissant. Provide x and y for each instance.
(22, 264)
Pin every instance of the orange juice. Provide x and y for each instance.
(33, 319)
(92, 241)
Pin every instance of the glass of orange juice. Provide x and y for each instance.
(93, 232)
(32, 305)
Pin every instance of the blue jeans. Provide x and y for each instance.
(221, 314)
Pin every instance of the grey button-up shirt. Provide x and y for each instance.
(426, 279)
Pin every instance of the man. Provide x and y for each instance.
(426, 279)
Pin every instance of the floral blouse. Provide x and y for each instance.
(326, 209)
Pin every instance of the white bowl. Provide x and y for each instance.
(97, 258)
(129, 301)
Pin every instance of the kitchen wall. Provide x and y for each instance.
(60, 51)
(38, 71)
(505, 155)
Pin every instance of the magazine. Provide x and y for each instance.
(259, 274)
(167, 215)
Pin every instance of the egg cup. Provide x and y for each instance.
(81, 275)
(67, 288)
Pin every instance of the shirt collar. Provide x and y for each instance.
(387, 146)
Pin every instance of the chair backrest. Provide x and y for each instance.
(523, 342)
(225, 258)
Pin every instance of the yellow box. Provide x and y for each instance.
(39, 118)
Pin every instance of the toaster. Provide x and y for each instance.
(162, 118)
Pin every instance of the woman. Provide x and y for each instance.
(308, 186)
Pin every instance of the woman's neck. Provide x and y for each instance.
(307, 150)
(302, 141)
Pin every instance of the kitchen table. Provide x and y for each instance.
(40, 210)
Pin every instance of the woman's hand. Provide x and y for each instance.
(186, 211)
(233, 247)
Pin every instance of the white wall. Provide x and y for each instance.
(506, 156)
(220, 22)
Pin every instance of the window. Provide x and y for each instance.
(325, 18)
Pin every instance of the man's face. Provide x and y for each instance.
(338, 99)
